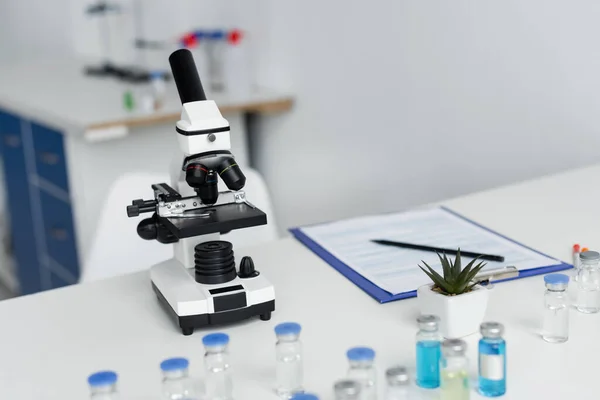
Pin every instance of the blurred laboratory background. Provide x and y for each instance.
(337, 109)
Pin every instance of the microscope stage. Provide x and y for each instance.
(221, 219)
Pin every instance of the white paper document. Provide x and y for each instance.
(396, 270)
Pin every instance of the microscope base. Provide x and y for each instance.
(194, 305)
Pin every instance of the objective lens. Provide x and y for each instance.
(209, 191)
(195, 175)
(232, 174)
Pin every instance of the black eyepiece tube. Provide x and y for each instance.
(186, 76)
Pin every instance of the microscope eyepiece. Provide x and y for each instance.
(186, 76)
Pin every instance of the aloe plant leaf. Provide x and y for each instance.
(457, 266)
(436, 278)
(445, 267)
(466, 270)
(465, 285)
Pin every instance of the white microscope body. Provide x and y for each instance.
(202, 285)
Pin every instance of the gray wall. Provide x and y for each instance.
(412, 101)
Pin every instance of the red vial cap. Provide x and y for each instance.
(190, 40)
(576, 248)
(235, 37)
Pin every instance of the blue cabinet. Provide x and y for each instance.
(38, 203)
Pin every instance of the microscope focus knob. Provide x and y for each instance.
(133, 211)
(247, 269)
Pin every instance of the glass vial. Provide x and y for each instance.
(556, 312)
(219, 384)
(454, 382)
(288, 350)
(103, 385)
(588, 282)
(492, 360)
(347, 389)
(176, 382)
(428, 351)
(398, 383)
(362, 369)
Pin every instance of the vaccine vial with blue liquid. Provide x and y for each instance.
(429, 341)
(288, 351)
(103, 386)
(492, 360)
(362, 370)
(556, 310)
(176, 382)
(219, 385)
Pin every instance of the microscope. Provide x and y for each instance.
(201, 285)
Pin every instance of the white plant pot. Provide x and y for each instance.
(460, 315)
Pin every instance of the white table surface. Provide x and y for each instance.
(57, 92)
(51, 341)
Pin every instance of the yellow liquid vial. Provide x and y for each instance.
(454, 385)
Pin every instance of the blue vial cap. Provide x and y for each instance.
(102, 378)
(215, 339)
(216, 34)
(288, 328)
(200, 34)
(304, 396)
(157, 74)
(556, 279)
(174, 364)
(360, 354)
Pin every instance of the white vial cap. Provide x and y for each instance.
(491, 330)
(428, 323)
(397, 376)
(454, 347)
(589, 256)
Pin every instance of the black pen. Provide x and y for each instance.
(488, 257)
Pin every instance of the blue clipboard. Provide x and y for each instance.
(383, 296)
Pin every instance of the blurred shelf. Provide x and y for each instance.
(60, 94)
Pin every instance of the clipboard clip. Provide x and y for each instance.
(487, 277)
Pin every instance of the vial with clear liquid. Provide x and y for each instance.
(588, 282)
(103, 386)
(428, 351)
(289, 367)
(219, 385)
(362, 369)
(398, 383)
(347, 389)
(492, 360)
(176, 382)
(454, 382)
(556, 312)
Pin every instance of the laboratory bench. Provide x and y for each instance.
(59, 337)
(65, 137)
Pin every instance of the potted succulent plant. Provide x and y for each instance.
(455, 298)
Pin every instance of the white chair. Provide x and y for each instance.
(117, 249)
